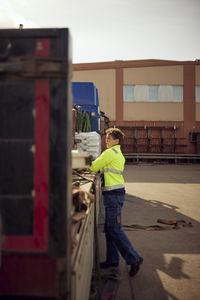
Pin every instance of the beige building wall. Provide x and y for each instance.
(104, 80)
(197, 77)
(153, 111)
(197, 111)
(169, 75)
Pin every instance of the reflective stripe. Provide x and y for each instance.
(113, 149)
(113, 187)
(107, 170)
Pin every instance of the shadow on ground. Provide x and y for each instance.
(154, 246)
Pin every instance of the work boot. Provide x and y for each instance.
(135, 267)
(107, 264)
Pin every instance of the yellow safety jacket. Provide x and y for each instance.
(111, 164)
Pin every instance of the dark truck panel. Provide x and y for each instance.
(35, 159)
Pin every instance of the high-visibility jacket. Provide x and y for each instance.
(111, 164)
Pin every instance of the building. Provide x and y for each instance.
(155, 102)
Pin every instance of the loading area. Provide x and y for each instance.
(171, 268)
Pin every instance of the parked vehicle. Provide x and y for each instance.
(85, 95)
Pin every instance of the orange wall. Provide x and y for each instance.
(197, 78)
(197, 75)
(189, 104)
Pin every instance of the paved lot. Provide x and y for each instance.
(171, 268)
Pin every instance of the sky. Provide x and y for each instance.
(109, 30)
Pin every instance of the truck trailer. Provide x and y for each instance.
(47, 237)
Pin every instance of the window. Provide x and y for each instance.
(177, 93)
(197, 93)
(165, 93)
(155, 93)
(141, 93)
(128, 93)
(169, 93)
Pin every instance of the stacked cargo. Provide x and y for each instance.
(89, 142)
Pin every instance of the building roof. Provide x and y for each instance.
(131, 64)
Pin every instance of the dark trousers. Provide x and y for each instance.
(116, 239)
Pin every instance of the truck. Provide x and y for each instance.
(85, 95)
(48, 210)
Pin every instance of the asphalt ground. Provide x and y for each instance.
(171, 267)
